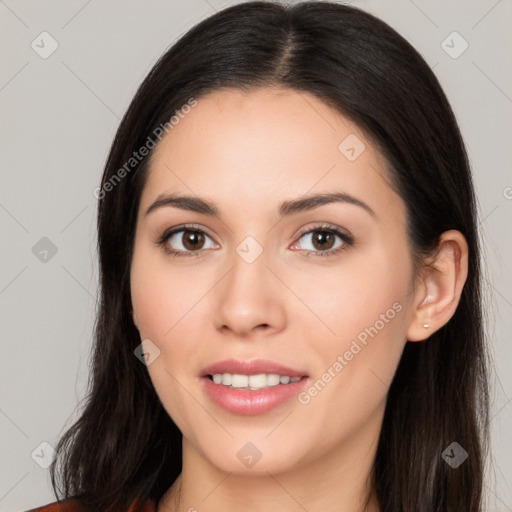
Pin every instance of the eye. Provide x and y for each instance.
(189, 240)
(185, 241)
(322, 241)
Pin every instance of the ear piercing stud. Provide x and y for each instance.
(425, 325)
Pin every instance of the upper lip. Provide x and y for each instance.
(253, 367)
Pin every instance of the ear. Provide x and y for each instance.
(438, 293)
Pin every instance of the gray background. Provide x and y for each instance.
(58, 117)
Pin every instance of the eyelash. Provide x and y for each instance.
(348, 241)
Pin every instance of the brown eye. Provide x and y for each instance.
(192, 240)
(186, 241)
(322, 240)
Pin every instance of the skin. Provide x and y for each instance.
(247, 153)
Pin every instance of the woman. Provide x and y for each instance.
(290, 289)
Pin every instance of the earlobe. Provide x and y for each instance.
(443, 280)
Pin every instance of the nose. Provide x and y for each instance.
(250, 298)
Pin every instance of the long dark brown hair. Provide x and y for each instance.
(124, 445)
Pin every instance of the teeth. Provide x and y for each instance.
(259, 381)
(237, 381)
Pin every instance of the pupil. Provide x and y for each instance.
(322, 237)
(192, 239)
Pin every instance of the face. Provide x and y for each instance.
(322, 288)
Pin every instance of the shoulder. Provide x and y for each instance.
(62, 506)
(71, 505)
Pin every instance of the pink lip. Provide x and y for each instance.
(251, 402)
(246, 401)
(254, 367)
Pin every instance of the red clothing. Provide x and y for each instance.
(73, 506)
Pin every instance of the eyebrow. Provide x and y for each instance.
(287, 208)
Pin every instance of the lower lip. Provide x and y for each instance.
(251, 402)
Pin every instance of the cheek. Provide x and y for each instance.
(162, 293)
(355, 366)
(364, 305)
(168, 300)
(153, 305)
(162, 300)
(359, 293)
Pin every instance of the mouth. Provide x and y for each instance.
(251, 368)
(251, 387)
(252, 382)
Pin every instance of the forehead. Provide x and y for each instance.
(260, 147)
